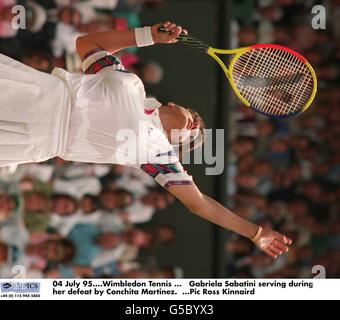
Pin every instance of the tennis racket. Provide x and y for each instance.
(271, 79)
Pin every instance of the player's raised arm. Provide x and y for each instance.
(269, 241)
(113, 41)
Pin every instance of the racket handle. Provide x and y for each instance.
(188, 40)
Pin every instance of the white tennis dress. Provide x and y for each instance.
(100, 117)
(34, 114)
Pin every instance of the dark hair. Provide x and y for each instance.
(94, 201)
(68, 197)
(153, 4)
(119, 192)
(68, 250)
(122, 191)
(42, 55)
(158, 240)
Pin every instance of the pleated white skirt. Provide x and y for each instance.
(34, 114)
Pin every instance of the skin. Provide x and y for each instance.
(35, 202)
(63, 206)
(176, 117)
(3, 252)
(46, 250)
(111, 200)
(6, 206)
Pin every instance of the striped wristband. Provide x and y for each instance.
(144, 37)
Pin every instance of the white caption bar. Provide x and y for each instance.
(170, 289)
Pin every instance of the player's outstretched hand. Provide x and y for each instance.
(173, 31)
(273, 243)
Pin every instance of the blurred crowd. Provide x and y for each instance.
(286, 174)
(70, 220)
(50, 28)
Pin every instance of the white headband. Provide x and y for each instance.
(188, 136)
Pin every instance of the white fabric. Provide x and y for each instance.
(79, 170)
(88, 8)
(143, 37)
(139, 212)
(64, 39)
(103, 4)
(34, 116)
(93, 58)
(65, 224)
(105, 105)
(96, 55)
(110, 222)
(168, 179)
(140, 175)
(97, 118)
(105, 221)
(78, 187)
(107, 256)
(14, 233)
(133, 185)
(42, 172)
(87, 11)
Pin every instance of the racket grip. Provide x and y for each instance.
(188, 40)
(163, 30)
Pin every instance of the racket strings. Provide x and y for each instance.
(252, 95)
(273, 94)
(256, 98)
(280, 94)
(276, 95)
(273, 80)
(301, 68)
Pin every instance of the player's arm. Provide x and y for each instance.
(269, 241)
(115, 40)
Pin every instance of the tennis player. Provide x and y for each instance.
(101, 116)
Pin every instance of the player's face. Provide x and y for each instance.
(182, 116)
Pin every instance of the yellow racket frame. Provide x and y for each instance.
(239, 51)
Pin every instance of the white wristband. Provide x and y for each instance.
(144, 37)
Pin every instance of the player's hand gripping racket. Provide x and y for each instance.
(271, 79)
